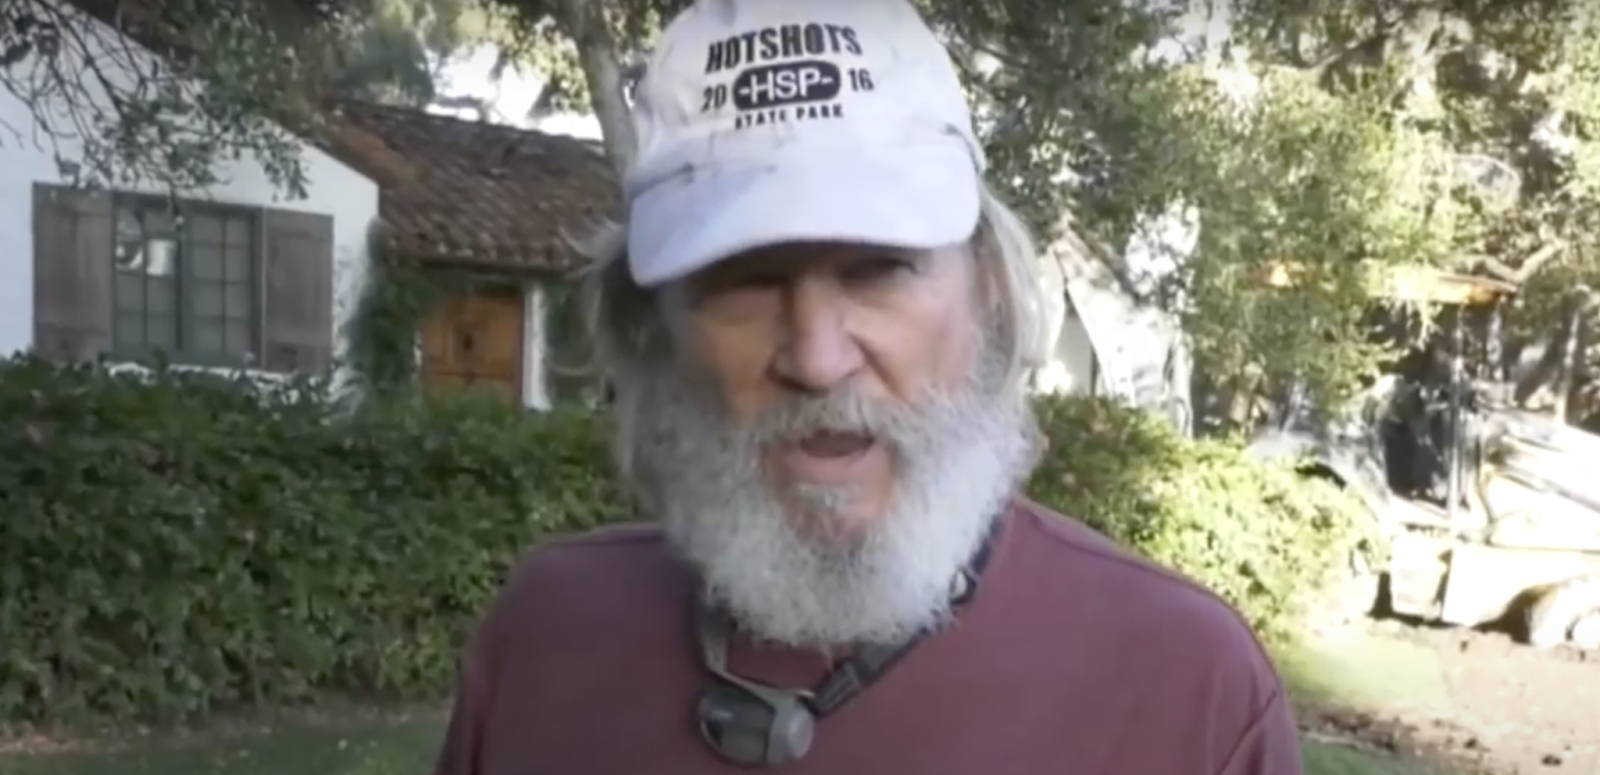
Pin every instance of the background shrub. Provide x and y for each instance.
(172, 544)
(1263, 537)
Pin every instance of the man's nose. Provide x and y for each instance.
(819, 352)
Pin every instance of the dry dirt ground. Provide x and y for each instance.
(1476, 700)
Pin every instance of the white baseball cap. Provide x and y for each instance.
(761, 122)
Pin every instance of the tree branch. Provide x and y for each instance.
(597, 55)
(1525, 270)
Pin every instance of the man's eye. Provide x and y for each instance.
(874, 269)
(739, 291)
(763, 281)
(742, 283)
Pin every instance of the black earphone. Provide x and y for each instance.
(755, 725)
(750, 723)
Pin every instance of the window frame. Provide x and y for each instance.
(185, 282)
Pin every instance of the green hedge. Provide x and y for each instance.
(175, 544)
(1263, 537)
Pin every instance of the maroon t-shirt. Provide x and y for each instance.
(1074, 658)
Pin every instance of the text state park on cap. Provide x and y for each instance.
(788, 72)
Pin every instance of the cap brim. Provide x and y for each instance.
(916, 198)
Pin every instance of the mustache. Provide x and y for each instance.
(847, 409)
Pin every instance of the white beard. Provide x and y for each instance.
(959, 455)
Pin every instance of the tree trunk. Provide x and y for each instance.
(597, 55)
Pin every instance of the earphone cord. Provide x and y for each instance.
(871, 662)
(855, 674)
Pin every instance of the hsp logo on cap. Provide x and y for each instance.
(784, 73)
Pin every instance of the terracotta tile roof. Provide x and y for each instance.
(472, 194)
(454, 192)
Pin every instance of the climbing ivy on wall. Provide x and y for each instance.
(397, 298)
(571, 359)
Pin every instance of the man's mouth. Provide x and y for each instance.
(835, 445)
(828, 457)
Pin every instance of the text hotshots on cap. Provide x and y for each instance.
(784, 73)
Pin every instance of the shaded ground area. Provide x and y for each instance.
(342, 741)
(1475, 701)
(1385, 699)
(405, 746)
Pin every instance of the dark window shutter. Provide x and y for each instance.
(298, 298)
(72, 273)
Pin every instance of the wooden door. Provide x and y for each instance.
(474, 342)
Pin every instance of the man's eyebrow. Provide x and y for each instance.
(899, 253)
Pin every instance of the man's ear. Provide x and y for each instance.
(980, 239)
(981, 246)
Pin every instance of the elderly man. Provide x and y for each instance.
(818, 320)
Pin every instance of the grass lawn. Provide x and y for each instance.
(1360, 670)
(1364, 671)
(374, 748)
(1339, 760)
(406, 748)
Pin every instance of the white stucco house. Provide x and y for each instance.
(1105, 335)
(240, 277)
(492, 207)
(231, 277)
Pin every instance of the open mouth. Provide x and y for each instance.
(829, 457)
(833, 445)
